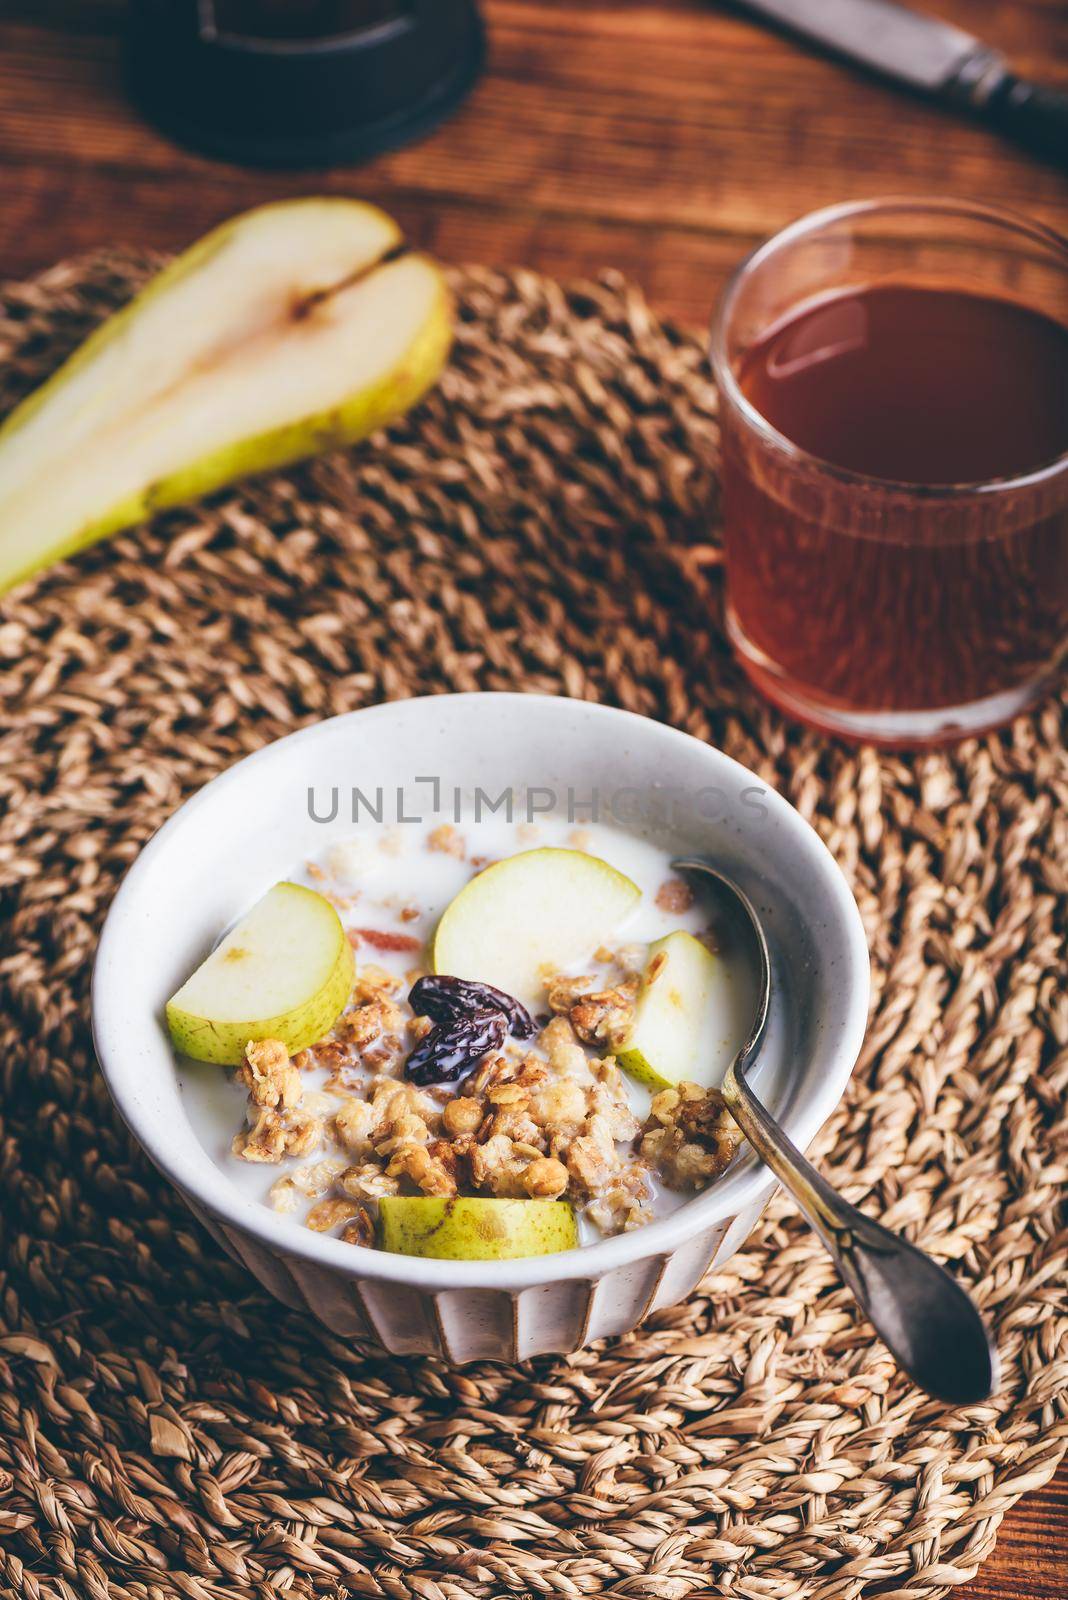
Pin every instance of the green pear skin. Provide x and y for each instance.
(475, 1228)
(284, 972)
(290, 330)
(663, 1045)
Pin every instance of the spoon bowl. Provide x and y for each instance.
(930, 1325)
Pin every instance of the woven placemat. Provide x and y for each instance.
(545, 521)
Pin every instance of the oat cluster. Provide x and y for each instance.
(552, 1121)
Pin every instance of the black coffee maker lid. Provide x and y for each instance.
(251, 82)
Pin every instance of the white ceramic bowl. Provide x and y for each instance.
(250, 826)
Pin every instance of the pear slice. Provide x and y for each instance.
(290, 330)
(475, 1228)
(692, 1015)
(531, 913)
(285, 972)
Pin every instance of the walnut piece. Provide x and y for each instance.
(319, 1178)
(370, 1021)
(367, 1182)
(605, 1017)
(431, 1170)
(353, 1124)
(274, 1134)
(562, 993)
(401, 1114)
(690, 1136)
(269, 1075)
(329, 1213)
(496, 1166)
(361, 1230)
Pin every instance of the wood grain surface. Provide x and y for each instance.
(662, 139)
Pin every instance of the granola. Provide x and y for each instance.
(690, 1135)
(550, 1122)
(674, 895)
(544, 1114)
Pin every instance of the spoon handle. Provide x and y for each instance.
(918, 1310)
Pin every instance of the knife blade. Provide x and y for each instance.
(931, 56)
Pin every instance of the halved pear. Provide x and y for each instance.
(285, 972)
(536, 911)
(475, 1228)
(289, 330)
(692, 1015)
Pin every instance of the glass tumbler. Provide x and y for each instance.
(903, 612)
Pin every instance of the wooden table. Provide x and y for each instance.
(661, 139)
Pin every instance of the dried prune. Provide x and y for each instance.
(441, 997)
(454, 1046)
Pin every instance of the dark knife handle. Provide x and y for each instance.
(1036, 116)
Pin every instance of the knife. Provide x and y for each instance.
(935, 57)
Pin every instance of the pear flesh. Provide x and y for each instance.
(688, 1021)
(284, 972)
(475, 1228)
(290, 330)
(532, 913)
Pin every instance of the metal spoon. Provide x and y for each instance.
(922, 1315)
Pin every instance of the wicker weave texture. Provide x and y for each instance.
(545, 521)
